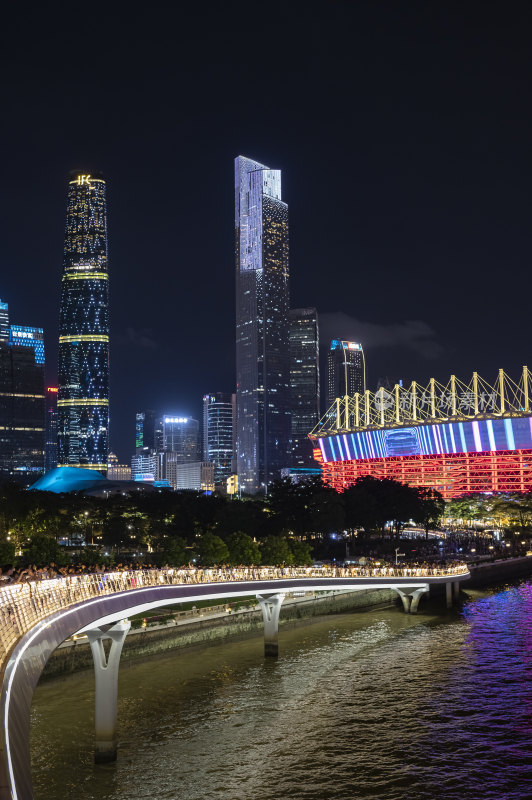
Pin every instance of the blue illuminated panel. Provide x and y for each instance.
(474, 436)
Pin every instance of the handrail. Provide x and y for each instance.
(23, 605)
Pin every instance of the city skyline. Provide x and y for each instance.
(423, 176)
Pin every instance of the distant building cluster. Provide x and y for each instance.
(244, 439)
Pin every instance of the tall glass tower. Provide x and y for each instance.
(262, 338)
(304, 382)
(346, 370)
(83, 396)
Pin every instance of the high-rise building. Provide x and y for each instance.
(346, 370)
(147, 429)
(262, 303)
(193, 475)
(21, 400)
(218, 433)
(179, 435)
(83, 397)
(50, 444)
(304, 383)
(4, 321)
(116, 471)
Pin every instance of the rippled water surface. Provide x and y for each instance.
(370, 705)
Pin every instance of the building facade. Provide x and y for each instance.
(50, 446)
(147, 429)
(195, 476)
(22, 401)
(83, 396)
(219, 413)
(346, 370)
(179, 435)
(116, 471)
(262, 304)
(304, 383)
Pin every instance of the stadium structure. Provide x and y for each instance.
(457, 438)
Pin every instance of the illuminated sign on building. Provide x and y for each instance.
(84, 179)
(474, 436)
(176, 419)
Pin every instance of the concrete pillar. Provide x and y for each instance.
(456, 589)
(416, 597)
(448, 594)
(406, 600)
(270, 606)
(106, 683)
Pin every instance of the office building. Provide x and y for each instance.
(346, 370)
(83, 396)
(116, 471)
(179, 435)
(146, 466)
(304, 383)
(219, 414)
(4, 321)
(147, 429)
(262, 304)
(22, 402)
(50, 445)
(196, 476)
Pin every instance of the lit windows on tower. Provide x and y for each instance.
(83, 396)
(346, 370)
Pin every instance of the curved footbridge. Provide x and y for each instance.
(36, 617)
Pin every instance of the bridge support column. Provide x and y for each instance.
(456, 590)
(449, 594)
(271, 606)
(106, 684)
(411, 597)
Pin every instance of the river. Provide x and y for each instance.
(378, 705)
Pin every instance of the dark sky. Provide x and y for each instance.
(403, 130)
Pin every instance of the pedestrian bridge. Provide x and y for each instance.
(36, 617)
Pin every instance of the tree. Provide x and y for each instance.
(174, 551)
(301, 553)
(211, 550)
(275, 551)
(242, 549)
(43, 549)
(431, 506)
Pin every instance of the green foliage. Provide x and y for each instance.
(242, 549)
(174, 551)
(301, 553)
(276, 551)
(211, 550)
(43, 549)
(7, 553)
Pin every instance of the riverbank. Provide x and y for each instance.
(203, 628)
(493, 572)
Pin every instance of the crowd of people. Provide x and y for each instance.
(191, 574)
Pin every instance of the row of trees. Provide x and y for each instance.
(294, 523)
(177, 526)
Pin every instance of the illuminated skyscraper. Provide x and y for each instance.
(21, 399)
(218, 433)
(262, 302)
(50, 445)
(179, 435)
(83, 397)
(304, 382)
(346, 370)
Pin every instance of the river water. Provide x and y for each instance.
(377, 705)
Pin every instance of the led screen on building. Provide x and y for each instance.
(475, 436)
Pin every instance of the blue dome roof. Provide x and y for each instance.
(68, 479)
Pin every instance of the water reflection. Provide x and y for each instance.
(369, 705)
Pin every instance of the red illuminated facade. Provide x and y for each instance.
(452, 475)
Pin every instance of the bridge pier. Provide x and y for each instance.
(456, 590)
(449, 594)
(411, 597)
(106, 685)
(271, 606)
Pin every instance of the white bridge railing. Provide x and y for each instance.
(23, 605)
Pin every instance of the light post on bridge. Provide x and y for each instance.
(397, 554)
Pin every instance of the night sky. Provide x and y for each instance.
(403, 132)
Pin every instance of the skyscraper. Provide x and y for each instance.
(21, 399)
(218, 433)
(180, 435)
(83, 397)
(304, 382)
(147, 429)
(262, 303)
(346, 370)
(50, 445)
